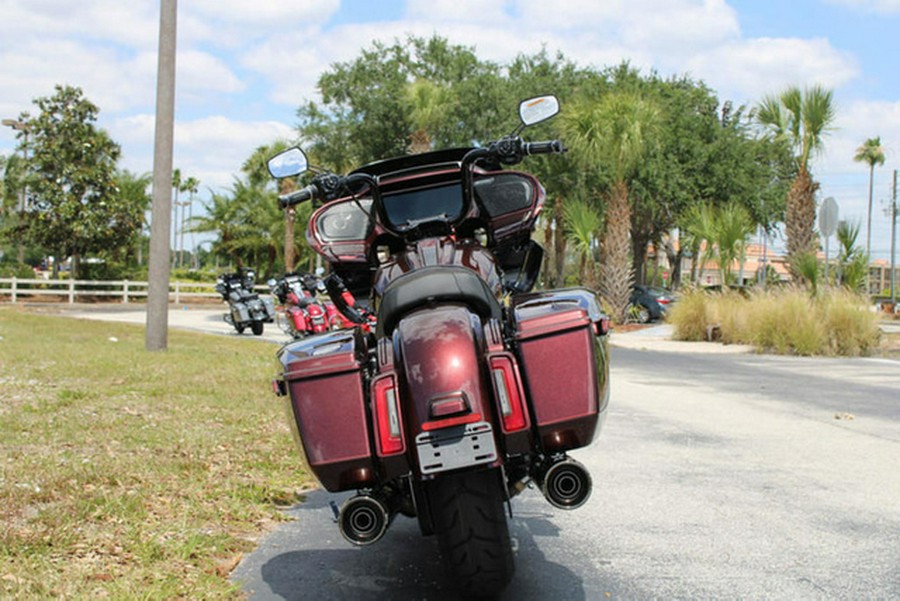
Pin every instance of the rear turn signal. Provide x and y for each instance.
(387, 416)
(508, 392)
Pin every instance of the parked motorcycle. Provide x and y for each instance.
(471, 386)
(302, 312)
(246, 307)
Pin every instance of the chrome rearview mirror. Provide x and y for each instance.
(535, 110)
(291, 162)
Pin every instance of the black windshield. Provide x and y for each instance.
(407, 209)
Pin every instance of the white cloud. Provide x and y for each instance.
(211, 149)
(753, 68)
(442, 11)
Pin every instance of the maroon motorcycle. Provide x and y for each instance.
(470, 386)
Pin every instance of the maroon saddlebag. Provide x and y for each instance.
(323, 379)
(563, 364)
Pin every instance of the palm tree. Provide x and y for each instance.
(872, 153)
(258, 175)
(134, 187)
(190, 185)
(853, 264)
(734, 225)
(583, 223)
(614, 132)
(697, 226)
(802, 118)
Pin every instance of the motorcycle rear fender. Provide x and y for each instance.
(440, 368)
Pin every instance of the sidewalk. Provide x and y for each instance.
(659, 338)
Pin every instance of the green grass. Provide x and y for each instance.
(784, 321)
(131, 474)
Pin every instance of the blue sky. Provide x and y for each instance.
(244, 67)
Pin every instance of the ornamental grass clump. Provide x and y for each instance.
(851, 329)
(689, 317)
(784, 321)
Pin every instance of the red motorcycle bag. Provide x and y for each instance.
(558, 351)
(323, 379)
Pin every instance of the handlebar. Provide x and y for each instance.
(297, 196)
(326, 187)
(548, 147)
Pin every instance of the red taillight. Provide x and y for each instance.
(601, 327)
(508, 392)
(663, 301)
(388, 423)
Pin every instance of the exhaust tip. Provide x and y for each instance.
(363, 520)
(566, 484)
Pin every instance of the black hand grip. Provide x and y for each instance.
(342, 299)
(550, 147)
(292, 198)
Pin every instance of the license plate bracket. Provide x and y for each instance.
(455, 448)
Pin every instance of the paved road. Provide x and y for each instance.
(717, 476)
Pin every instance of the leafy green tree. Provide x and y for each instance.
(871, 152)
(371, 106)
(74, 207)
(803, 118)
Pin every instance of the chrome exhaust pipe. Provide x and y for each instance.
(566, 483)
(364, 519)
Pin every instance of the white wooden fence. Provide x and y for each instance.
(17, 289)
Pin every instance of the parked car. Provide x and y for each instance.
(649, 303)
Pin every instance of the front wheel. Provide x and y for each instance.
(257, 327)
(473, 535)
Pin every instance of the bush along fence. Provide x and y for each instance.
(125, 291)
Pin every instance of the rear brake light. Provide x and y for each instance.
(508, 392)
(601, 327)
(387, 416)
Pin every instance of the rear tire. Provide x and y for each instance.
(473, 535)
(239, 328)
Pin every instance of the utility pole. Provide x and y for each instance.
(22, 127)
(158, 292)
(894, 243)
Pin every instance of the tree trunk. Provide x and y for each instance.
(289, 216)
(800, 218)
(559, 243)
(616, 276)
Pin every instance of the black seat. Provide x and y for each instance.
(438, 284)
